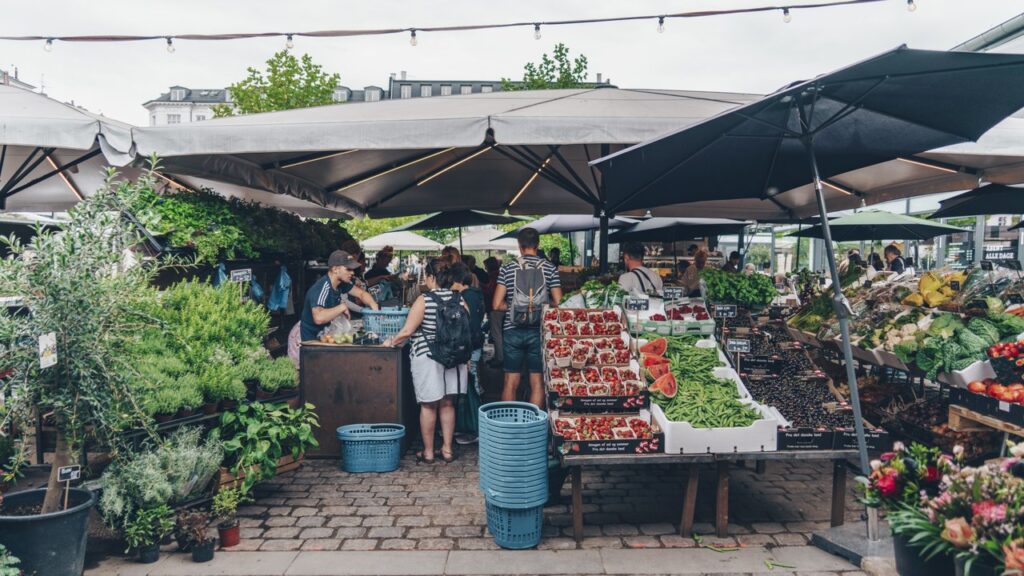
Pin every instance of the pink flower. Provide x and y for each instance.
(887, 456)
(958, 533)
(988, 512)
(1008, 463)
(932, 475)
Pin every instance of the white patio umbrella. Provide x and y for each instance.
(404, 241)
(484, 240)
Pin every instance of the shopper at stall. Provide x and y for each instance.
(733, 265)
(496, 318)
(326, 300)
(691, 277)
(556, 256)
(876, 261)
(893, 259)
(524, 287)
(638, 279)
(692, 250)
(480, 274)
(436, 387)
(379, 271)
(462, 282)
(451, 254)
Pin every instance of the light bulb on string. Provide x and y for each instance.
(170, 45)
(661, 24)
(49, 45)
(289, 43)
(536, 31)
(786, 16)
(412, 38)
(911, 6)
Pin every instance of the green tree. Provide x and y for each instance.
(552, 72)
(287, 83)
(363, 228)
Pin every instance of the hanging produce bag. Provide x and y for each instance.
(220, 276)
(280, 291)
(256, 292)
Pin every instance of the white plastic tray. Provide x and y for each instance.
(980, 370)
(682, 438)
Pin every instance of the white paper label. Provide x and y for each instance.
(47, 350)
(1004, 406)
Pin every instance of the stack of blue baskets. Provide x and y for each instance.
(514, 471)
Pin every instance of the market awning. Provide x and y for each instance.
(484, 240)
(876, 225)
(406, 241)
(564, 223)
(988, 199)
(524, 151)
(673, 229)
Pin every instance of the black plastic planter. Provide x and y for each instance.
(51, 544)
(203, 552)
(978, 568)
(149, 554)
(910, 563)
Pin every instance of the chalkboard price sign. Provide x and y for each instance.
(672, 292)
(725, 310)
(738, 345)
(241, 275)
(1015, 298)
(766, 363)
(638, 304)
(954, 285)
(69, 473)
(986, 265)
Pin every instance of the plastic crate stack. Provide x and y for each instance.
(514, 471)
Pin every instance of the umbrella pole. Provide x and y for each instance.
(572, 256)
(460, 239)
(604, 243)
(842, 308)
(799, 241)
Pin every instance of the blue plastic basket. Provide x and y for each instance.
(385, 322)
(516, 529)
(512, 416)
(371, 447)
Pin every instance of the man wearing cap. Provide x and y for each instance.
(324, 301)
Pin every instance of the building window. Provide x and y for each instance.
(200, 117)
(486, 88)
(174, 118)
(406, 91)
(446, 89)
(372, 95)
(177, 94)
(466, 89)
(426, 91)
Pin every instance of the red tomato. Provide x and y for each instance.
(977, 387)
(996, 390)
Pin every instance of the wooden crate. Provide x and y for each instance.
(226, 480)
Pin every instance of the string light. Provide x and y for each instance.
(786, 17)
(661, 24)
(911, 6)
(536, 31)
(170, 45)
(289, 43)
(49, 45)
(412, 38)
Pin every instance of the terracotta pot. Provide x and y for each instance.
(161, 418)
(185, 412)
(209, 408)
(251, 385)
(262, 394)
(228, 405)
(229, 536)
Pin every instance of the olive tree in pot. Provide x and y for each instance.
(81, 287)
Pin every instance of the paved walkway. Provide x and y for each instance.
(798, 560)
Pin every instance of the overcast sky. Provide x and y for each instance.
(747, 53)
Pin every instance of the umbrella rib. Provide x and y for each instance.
(593, 171)
(688, 97)
(782, 129)
(25, 169)
(543, 170)
(55, 171)
(345, 184)
(575, 176)
(848, 108)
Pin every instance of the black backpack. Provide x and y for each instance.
(453, 342)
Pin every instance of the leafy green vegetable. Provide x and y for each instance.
(1007, 324)
(743, 289)
(995, 305)
(985, 329)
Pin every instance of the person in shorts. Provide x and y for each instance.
(521, 344)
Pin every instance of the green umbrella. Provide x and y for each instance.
(876, 225)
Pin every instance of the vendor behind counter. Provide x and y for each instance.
(638, 279)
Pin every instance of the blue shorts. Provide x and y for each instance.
(522, 345)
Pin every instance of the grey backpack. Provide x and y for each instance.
(529, 294)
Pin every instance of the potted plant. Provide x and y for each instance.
(12, 461)
(144, 531)
(276, 376)
(262, 438)
(192, 532)
(978, 516)
(896, 484)
(8, 563)
(191, 395)
(221, 384)
(225, 506)
(85, 297)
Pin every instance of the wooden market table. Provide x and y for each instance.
(722, 465)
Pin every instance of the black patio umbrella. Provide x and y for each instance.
(877, 225)
(988, 199)
(653, 229)
(895, 105)
(563, 223)
(459, 219)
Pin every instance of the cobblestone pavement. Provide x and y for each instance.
(439, 507)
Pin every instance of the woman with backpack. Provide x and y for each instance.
(466, 422)
(439, 328)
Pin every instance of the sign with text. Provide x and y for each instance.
(986, 265)
(954, 285)
(69, 473)
(673, 292)
(765, 363)
(738, 345)
(725, 310)
(47, 350)
(1015, 298)
(638, 304)
(241, 275)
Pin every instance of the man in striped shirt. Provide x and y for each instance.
(522, 344)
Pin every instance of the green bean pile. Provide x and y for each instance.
(702, 400)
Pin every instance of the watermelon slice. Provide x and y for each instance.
(658, 370)
(665, 385)
(656, 347)
(650, 360)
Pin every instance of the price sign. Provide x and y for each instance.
(241, 275)
(672, 292)
(978, 304)
(821, 280)
(986, 265)
(1015, 298)
(777, 312)
(725, 310)
(954, 285)
(638, 304)
(766, 363)
(69, 473)
(738, 345)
